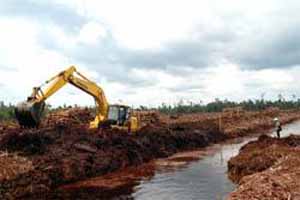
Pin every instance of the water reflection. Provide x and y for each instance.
(189, 175)
(205, 179)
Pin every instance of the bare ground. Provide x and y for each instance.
(64, 150)
(267, 169)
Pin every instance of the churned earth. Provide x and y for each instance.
(64, 150)
(267, 168)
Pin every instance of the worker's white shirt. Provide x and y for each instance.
(277, 124)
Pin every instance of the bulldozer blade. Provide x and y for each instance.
(29, 114)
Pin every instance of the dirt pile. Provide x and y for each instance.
(7, 127)
(233, 124)
(267, 169)
(28, 142)
(68, 154)
(76, 116)
(64, 150)
(147, 117)
(67, 117)
(11, 165)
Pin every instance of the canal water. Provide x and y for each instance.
(205, 179)
(199, 175)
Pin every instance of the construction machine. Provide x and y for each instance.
(29, 113)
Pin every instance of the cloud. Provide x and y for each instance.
(254, 42)
(10, 69)
(43, 12)
(154, 51)
(239, 34)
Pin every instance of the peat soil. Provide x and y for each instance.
(42, 159)
(35, 162)
(267, 168)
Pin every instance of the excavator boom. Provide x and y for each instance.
(29, 113)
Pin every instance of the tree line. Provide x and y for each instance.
(218, 105)
(7, 111)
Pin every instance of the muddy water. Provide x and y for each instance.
(202, 179)
(189, 175)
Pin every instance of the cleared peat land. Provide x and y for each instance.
(267, 168)
(145, 100)
(38, 163)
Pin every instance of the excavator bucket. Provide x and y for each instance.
(29, 113)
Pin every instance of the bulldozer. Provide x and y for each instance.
(30, 112)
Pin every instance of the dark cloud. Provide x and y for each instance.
(44, 12)
(280, 51)
(268, 41)
(115, 62)
(186, 53)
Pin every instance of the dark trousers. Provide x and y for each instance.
(278, 131)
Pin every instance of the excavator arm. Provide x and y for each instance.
(29, 113)
(91, 88)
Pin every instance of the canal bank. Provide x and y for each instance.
(55, 156)
(190, 175)
(267, 168)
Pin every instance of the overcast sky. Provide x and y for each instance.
(149, 52)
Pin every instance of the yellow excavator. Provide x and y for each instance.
(29, 113)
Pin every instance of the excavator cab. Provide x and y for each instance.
(29, 113)
(118, 114)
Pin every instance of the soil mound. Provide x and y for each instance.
(267, 169)
(64, 154)
(63, 150)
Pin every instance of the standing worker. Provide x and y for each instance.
(277, 126)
